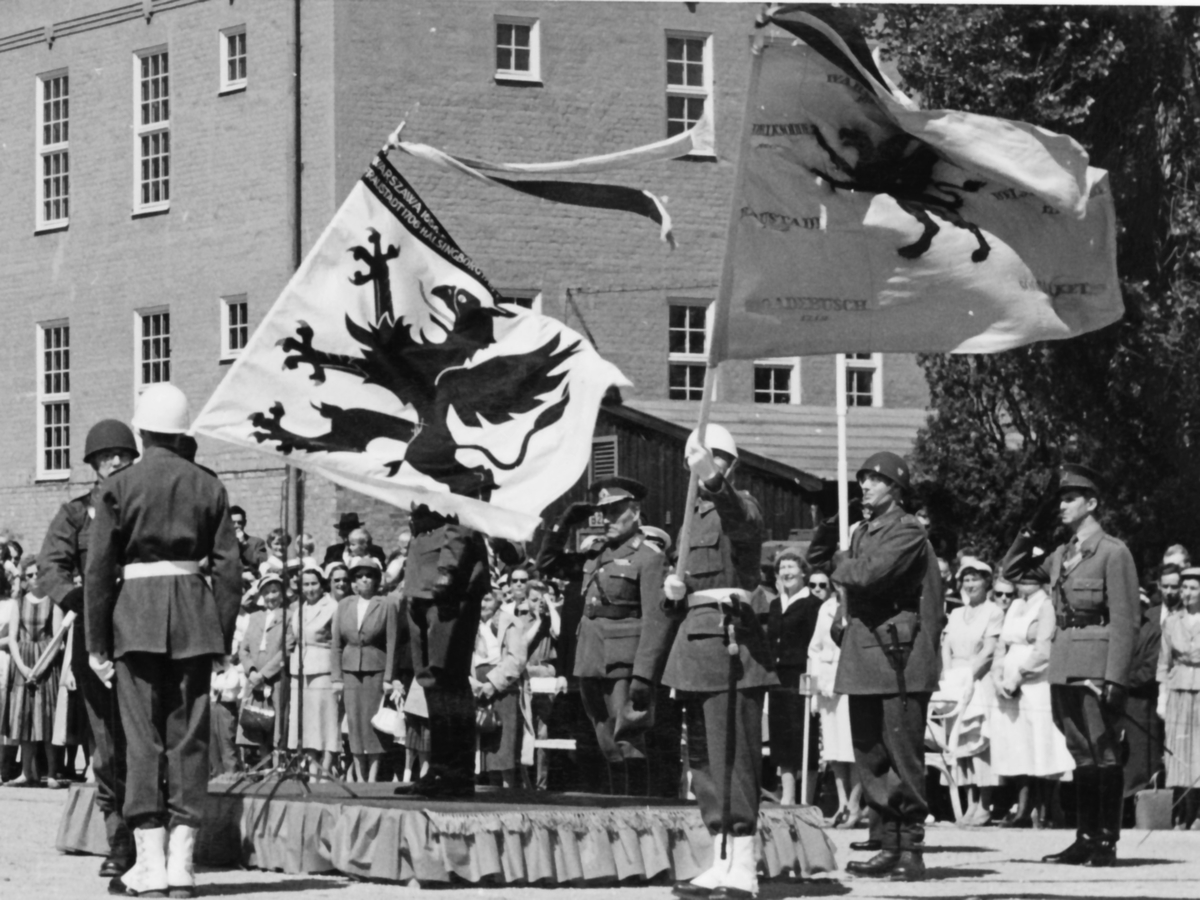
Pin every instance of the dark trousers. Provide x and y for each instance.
(1093, 734)
(725, 756)
(164, 710)
(889, 751)
(222, 738)
(108, 756)
(647, 765)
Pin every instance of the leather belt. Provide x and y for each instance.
(716, 597)
(1078, 618)
(164, 567)
(595, 610)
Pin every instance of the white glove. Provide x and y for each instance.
(674, 588)
(1161, 709)
(700, 461)
(102, 666)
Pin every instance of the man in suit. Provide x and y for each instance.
(445, 580)
(889, 628)
(346, 549)
(720, 664)
(623, 638)
(149, 609)
(253, 549)
(1095, 588)
(109, 447)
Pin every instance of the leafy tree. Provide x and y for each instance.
(1126, 399)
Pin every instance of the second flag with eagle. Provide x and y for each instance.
(390, 366)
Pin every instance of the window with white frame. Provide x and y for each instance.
(777, 380)
(53, 134)
(687, 348)
(233, 59)
(689, 79)
(153, 347)
(54, 400)
(518, 49)
(525, 298)
(152, 131)
(235, 325)
(864, 379)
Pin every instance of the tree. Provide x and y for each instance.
(1125, 400)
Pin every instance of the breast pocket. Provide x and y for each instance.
(705, 556)
(1086, 593)
(622, 586)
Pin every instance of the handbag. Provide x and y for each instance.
(486, 720)
(257, 720)
(389, 720)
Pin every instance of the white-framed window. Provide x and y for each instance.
(53, 148)
(518, 49)
(526, 298)
(235, 325)
(864, 378)
(54, 400)
(687, 348)
(153, 346)
(233, 59)
(777, 380)
(689, 79)
(151, 131)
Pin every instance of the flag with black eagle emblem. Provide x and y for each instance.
(388, 365)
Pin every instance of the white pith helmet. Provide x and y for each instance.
(716, 437)
(162, 408)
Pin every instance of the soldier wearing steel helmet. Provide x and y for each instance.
(1094, 584)
(889, 630)
(623, 637)
(155, 622)
(720, 664)
(110, 447)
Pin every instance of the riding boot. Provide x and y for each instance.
(1110, 803)
(1087, 786)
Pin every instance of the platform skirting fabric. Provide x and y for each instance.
(570, 840)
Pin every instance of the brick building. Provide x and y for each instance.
(153, 206)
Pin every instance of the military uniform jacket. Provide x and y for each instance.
(162, 509)
(894, 606)
(64, 554)
(449, 549)
(726, 540)
(1102, 579)
(628, 576)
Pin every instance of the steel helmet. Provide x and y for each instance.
(890, 466)
(162, 408)
(716, 438)
(108, 434)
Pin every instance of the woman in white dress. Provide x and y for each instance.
(1025, 742)
(968, 644)
(322, 738)
(837, 751)
(1179, 696)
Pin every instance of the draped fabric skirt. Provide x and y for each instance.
(362, 695)
(29, 715)
(1183, 739)
(322, 714)
(501, 749)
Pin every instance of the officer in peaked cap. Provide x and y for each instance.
(623, 636)
(1093, 582)
(889, 629)
(109, 447)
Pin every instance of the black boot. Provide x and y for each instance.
(1110, 803)
(1087, 787)
(121, 854)
(874, 839)
(910, 867)
(879, 865)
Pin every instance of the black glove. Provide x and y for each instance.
(441, 587)
(72, 601)
(575, 514)
(641, 694)
(1114, 697)
(637, 715)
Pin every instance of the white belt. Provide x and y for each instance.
(164, 567)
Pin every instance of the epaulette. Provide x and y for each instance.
(636, 541)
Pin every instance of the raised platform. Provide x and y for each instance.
(498, 837)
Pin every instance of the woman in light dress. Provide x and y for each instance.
(837, 751)
(968, 645)
(1179, 696)
(499, 679)
(322, 738)
(1025, 742)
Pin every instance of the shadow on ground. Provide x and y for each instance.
(219, 889)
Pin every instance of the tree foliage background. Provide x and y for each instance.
(1125, 400)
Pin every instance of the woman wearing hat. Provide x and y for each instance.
(364, 658)
(1026, 743)
(322, 737)
(261, 655)
(968, 645)
(1179, 699)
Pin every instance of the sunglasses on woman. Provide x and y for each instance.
(1007, 595)
(824, 585)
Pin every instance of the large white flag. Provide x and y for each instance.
(388, 366)
(865, 224)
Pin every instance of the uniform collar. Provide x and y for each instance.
(1088, 538)
(882, 519)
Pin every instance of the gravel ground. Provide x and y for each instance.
(964, 864)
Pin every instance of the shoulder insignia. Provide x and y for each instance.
(636, 541)
(622, 561)
(91, 512)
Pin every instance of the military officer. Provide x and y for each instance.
(1095, 589)
(720, 664)
(623, 637)
(446, 578)
(109, 447)
(151, 610)
(893, 614)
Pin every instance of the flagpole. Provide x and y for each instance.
(843, 469)
(716, 345)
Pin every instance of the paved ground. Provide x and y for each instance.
(964, 864)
